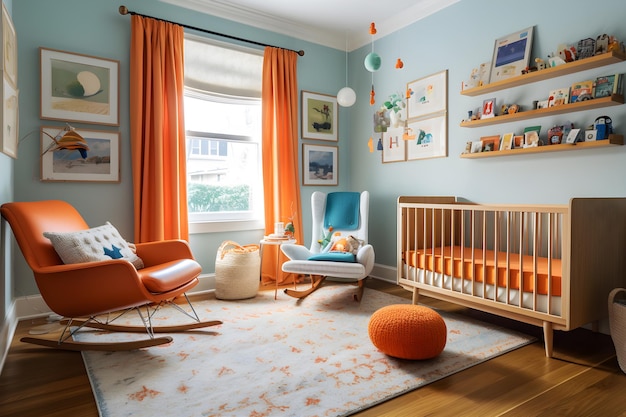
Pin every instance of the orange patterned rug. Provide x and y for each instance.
(280, 358)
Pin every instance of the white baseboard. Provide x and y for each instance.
(6, 337)
(385, 273)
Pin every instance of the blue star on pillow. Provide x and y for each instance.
(114, 252)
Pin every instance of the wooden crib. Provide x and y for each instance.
(547, 265)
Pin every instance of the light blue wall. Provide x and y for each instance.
(95, 27)
(457, 39)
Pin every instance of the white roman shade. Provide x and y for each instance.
(229, 71)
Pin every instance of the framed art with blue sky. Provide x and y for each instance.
(99, 162)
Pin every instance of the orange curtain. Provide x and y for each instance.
(281, 182)
(157, 130)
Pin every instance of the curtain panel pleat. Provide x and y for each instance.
(157, 130)
(280, 152)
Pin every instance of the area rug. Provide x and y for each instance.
(283, 357)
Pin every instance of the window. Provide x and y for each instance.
(223, 122)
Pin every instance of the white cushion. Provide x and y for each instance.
(96, 244)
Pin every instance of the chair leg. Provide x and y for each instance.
(301, 294)
(359, 292)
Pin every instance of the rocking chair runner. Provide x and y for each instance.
(347, 213)
(83, 291)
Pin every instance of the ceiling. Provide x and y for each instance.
(339, 24)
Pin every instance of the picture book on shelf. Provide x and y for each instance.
(558, 97)
(608, 85)
(582, 90)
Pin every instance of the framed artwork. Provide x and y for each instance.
(518, 141)
(9, 47)
(506, 143)
(79, 88)
(10, 120)
(428, 138)
(394, 146)
(319, 116)
(511, 54)
(319, 165)
(100, 164)
(428, 96)
(489, 108)
(9, 114)
(490, 143)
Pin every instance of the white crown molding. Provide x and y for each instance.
(407, 17)
(331, 38)
(263, 21)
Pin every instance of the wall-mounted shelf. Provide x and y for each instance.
(609, 58)
(613, 140)
(614, 100)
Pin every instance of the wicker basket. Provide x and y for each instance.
(617, 324)
(237, 271)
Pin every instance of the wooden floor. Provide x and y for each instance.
(583, 379)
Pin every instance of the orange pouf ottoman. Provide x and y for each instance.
(408, 331)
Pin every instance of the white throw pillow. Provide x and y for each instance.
(97, 244)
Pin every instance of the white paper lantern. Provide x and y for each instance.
(346, 97)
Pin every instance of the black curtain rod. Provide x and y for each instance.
(124, 10)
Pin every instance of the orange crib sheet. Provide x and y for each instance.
(452, 264)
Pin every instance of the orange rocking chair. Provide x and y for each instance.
(95, 293)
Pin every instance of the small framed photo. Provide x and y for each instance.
(511, 54)
(394, 146)
(490, 143)
(319, 165)
(319, 116)
(489, 108)
(99, 163)
(518, 141)
(506, 143)
(79, 88)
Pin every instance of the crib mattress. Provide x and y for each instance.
(491, 267)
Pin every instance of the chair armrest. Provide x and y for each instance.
(295, 252)
(154, 253)
(84, 289)
(366, 257)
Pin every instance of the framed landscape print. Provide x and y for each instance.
(319, 165)
(101, 163)
(428, 95)
(429, 138)
(319, 116)
(79, 88)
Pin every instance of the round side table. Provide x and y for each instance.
(275, 242)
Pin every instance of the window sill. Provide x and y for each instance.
(225, 226)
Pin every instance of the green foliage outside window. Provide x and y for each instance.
(204, 198)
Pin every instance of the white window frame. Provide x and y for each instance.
(224, 222)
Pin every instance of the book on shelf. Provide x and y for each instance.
(580, 91)
(608, 85)
(558, 97)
